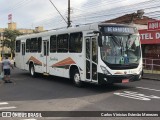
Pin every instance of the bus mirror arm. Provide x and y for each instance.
(99, 38)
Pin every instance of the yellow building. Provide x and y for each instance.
(12, 26)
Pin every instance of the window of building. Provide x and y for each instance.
(34, 45)
(53, 44)
(62, 43)
(75, 43)
(18, 46)
(28, 44)
(39, 44)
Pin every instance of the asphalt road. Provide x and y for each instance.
(58, 94)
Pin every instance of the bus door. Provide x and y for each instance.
(91, 58)
(45, 55)
(23, 56)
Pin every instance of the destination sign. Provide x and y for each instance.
(119, 29)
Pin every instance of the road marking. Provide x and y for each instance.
(136, 95)
(29, 119)
(148, 89)
(3, 108)
(3, 103)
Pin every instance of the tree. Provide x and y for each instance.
(10, 37)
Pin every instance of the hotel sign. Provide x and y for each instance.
(150, 37)
(154, 25)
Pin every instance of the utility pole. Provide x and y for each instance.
(69, 10)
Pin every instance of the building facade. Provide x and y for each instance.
(149, 30)
(150, 40)
(13, 26)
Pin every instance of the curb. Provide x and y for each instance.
(155, 79)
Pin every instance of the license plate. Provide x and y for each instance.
(125, 80)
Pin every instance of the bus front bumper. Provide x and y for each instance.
(118, 78)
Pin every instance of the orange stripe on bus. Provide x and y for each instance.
(67, 61)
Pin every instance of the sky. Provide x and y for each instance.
(32, 13)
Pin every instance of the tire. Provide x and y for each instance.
(76, 79)
(32, 71)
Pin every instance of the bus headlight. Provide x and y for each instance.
(140, 69)
(105, 71)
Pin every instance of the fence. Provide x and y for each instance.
(151, 65)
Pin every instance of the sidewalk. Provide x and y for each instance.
(151, 76)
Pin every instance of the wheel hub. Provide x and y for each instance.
(32, 70)
(77, 78)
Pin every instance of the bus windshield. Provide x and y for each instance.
(121, 49)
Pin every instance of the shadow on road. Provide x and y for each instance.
(49, 87)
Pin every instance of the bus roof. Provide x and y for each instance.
(93, 26)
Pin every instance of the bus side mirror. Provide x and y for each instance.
(100, 40)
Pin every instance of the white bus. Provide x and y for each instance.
(95, 53)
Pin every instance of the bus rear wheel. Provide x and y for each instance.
(77, 79)
(32, 71)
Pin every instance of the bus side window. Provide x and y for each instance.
(34, 45)
(75, 43)
(62, 43)
(28, 44)
(18, 46)
(39, 44)
(53, 44)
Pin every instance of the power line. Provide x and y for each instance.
(100, 14)
(119, 8)
(57, 10)
(119, 12)
(19, 4)
(94, 13)
(114, 13)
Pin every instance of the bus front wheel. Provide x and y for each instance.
(77, 79)
(32, 71)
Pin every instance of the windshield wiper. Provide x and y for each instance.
(117, 42)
